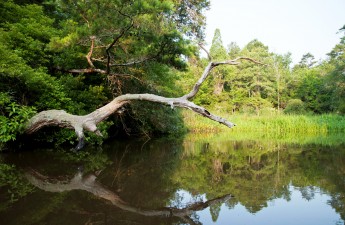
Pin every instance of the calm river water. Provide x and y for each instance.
(193, 180)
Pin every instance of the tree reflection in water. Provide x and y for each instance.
(257, 172)
(88, 183)
(140, 183)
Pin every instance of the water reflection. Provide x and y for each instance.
(280, 211)
(88, 183)
(188, 181)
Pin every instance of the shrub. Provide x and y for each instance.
(12, 118)
(295, 106)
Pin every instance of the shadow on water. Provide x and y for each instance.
(196, 180)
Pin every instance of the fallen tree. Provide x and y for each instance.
(89, 122)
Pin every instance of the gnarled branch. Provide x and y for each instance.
(89, 122)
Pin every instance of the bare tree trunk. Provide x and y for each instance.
(89, 122)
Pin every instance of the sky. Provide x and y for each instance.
(295, 26)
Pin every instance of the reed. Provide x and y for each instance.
(278, 123)
(267, 138)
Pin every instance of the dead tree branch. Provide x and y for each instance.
(88, 56)
(205, 50)
(134, 62)
(208, 69)
(91, 70)
(90, 121)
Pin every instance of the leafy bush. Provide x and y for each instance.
(12, 118)
(17, 186)
(295, 106)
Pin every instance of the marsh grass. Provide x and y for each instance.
(269, 138)
(277, 124)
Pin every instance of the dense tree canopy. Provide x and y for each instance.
(78, 55)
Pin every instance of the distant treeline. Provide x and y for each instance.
(309, 87)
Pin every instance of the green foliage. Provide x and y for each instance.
(103, 127)
(250, 88)
(17, 186)
(217, 50)
(295, 106)
(40, 43)
(22, 75)
(86, 93)
(146, 118)
(28, 31)
(44, 45)
(145, 29)
(25, 85)
(271, 122)
(13, 118)
(91, 160)
(307, 61)
(155, 119)
(336, 79)
(311, 89)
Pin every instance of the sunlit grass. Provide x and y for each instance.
(271, 138)
(302, 124)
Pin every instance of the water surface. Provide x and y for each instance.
(196, 180)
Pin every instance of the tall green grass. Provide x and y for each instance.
(268, 138)
(279, 123)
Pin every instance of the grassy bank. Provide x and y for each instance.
(303, 124)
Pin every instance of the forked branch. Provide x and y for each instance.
(208, 69)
